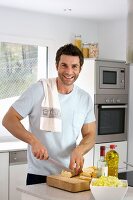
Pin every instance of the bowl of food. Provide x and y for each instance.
(109, 187)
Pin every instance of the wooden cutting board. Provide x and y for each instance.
(73, 184)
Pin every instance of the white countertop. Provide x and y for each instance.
(45, 192)
(12, 146)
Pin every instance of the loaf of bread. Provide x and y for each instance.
(66, 174)
(86, 174)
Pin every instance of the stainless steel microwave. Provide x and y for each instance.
(111, 77)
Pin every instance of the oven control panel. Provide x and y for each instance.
(111, 99)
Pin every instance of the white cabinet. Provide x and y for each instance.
(86, 82)
(88, 158)
(130, 32)
(4, 165)
(121, 148)
(130, 117)
(17, 174)
(13, 170)
(86, 77)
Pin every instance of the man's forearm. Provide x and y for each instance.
(15, 127)
(86, 144)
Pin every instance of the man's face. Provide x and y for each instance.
(68, 69)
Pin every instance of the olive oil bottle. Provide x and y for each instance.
(112, 158)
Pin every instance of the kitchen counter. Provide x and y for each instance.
(45, 192)
(12, 146)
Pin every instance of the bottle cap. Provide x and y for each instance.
(102, 150)
(112, 146)
(102, 147)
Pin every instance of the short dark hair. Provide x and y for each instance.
(71, 50)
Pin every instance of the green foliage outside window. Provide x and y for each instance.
(18, 68)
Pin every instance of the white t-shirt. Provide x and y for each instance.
(76, 110)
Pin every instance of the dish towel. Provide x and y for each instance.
(50, 119)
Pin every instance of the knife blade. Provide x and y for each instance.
(60, 165)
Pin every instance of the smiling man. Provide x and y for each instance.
(68, 70)
(59, 112)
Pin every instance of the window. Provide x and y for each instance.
(20, 66)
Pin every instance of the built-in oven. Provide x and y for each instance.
(111, 117)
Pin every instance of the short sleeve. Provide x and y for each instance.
(28, 99)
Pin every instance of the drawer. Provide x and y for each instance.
(17, 157)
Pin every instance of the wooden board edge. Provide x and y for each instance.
(70, 187)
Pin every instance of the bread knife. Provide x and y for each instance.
(60, 165)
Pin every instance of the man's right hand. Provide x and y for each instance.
(39, 150)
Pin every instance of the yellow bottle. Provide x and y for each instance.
(78, 41)
(85, 50)
(112, 158)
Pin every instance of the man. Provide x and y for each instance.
(77, 116)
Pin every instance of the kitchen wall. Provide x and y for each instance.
(55, 31)
(45, 29)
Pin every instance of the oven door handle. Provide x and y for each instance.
(117, 106)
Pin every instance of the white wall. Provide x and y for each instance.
(48, 30)
(54, 31)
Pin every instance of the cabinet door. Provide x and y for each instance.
(121, 148)
(88, 159)
(86, 77)
(17, 176)
(4, 165)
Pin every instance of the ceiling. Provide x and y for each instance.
(88, 9)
